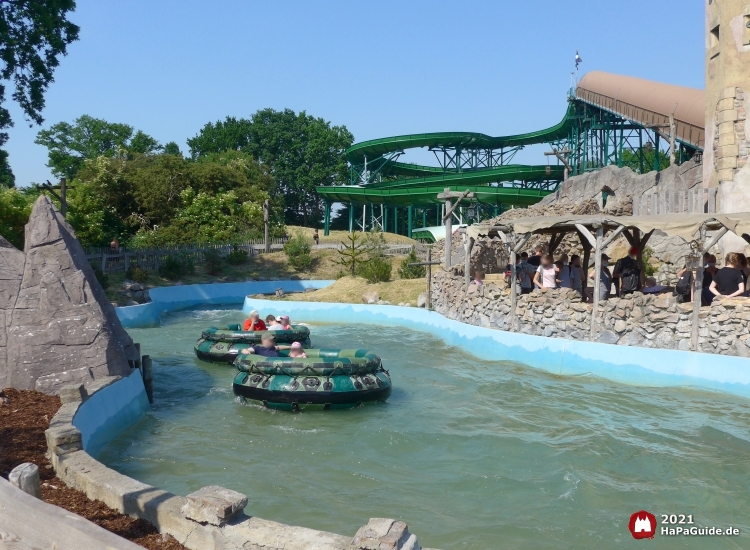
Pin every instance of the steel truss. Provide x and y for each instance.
(459, 159)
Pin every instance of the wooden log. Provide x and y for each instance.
(26, 477)
(148, 377)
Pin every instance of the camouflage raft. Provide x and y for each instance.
(221, 345)
(325, 379)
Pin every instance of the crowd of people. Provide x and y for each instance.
(268, 347)
(627, 276)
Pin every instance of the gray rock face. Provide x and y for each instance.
(60, 329)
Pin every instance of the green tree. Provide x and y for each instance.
(15, 208)
(172, 148)
(302, 152)
(353, 254)
(69, 145)
(33, 36)
(7, 179)
(632, 159)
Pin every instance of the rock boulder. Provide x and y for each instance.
(60, 329)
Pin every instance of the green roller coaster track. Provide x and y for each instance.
(591, 136)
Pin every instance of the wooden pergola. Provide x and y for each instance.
(596, 232)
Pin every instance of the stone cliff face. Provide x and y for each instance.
(57, 325)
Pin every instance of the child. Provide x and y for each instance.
(285, 322)
(546, 274)
(296, 350)
(479, 278)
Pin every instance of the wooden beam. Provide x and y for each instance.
(697, 291)
(583, 230)
(715, 239)
(521, 242)
(597, 278)
(513, 289)
(468, 245)
(612, 236)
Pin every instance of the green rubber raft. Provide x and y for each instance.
(325, 379)
(221, 345)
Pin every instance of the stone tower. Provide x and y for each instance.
(727, 100)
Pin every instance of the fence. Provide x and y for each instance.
(110, 261)
(697, 200)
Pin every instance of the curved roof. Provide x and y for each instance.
(647, 102)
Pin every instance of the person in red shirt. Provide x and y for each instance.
(254, 322)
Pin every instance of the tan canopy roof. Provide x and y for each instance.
(683, 225)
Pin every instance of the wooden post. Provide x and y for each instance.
(448, 232)
(468, 245)
(672, 132)
(513, 290)
(148, 377)
(597, 278)
(26, 477)
(697, 291)
(138, 362)
(429, 277)
(266, 208)
(104, 262)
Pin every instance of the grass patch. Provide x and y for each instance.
(350, 290)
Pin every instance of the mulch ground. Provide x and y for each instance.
(24, 415)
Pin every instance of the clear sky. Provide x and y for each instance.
(382, 68)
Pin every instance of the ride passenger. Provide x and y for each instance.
(268, 347)
(296, 350)
(546, 274)
(272, 323)
(254, 322)
(286, 324)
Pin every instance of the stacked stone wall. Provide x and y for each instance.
(652, 321)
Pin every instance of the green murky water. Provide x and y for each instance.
(471, 454)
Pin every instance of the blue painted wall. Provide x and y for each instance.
(172, 298)
(625, 364)
(111, 410)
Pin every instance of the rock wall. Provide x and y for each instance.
(58, 326)
(637, 320)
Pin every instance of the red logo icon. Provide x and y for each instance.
(642, 525)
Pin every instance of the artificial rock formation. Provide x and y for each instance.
(56, 325)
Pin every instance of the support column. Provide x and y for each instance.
(327, 219)
(513, 284)
(437, 215)
(351, 217)
(411, 221)
(697, 291)
(385, 218)
(424, 217)
(597, 271)
(656, 151)
(395, 220)
(364, 218)
(429, 277)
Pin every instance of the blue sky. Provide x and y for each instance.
(383, 68)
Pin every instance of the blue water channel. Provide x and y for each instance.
(471, 454)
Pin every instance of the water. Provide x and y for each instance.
(471, 454)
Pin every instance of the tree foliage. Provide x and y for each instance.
(302, 152)
(7, 179)
(69, 145)
(33, 36)
(15, 207)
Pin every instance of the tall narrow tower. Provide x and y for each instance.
(727, 100)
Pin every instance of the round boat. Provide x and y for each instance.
(325, 379)
(221, 345)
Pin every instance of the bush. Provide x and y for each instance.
(175, 267)
(407, 271)
(237, 257)
(102, 277)
(649, 268)
(376, 270)
(213, 262)
(298, 250)
(137, 274)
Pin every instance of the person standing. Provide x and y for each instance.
(316, 237)
(605, 280)
(564, 275)
(546, 273)
(629, 274)
(525, 274)
(576, 274)
(536, 259)
(729, 282)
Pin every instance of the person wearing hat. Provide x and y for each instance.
(605, 280)
(254, 322)
(628, 273)
(285, 323)
(268, 347)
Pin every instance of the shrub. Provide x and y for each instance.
(237, 257)
(102, 277)
(376, 270)
(407, 271)
(175, 267)
(213, 262)
(298, 250)
(137, 274)
(648, 267)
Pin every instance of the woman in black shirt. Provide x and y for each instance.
(729, 281)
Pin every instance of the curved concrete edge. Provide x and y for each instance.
(97, 414)
(630, 365)
(173, 298)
